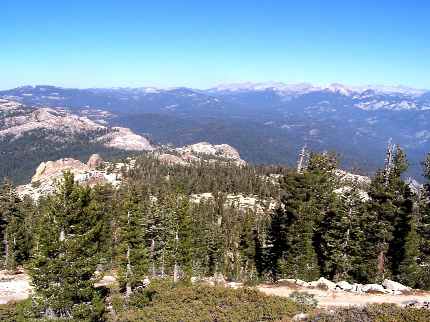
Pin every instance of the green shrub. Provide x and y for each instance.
(8, 312)
(374, 313)
(304, 298)
(163, 302)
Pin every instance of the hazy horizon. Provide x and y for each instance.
(149, 85)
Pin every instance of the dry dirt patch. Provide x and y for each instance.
(328, 298)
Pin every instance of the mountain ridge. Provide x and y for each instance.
(263, 123)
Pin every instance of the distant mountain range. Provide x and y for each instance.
(266, 122)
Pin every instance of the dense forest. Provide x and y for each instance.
(20, 156)
(151, 228)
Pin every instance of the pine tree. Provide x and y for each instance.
(133, 258)
(342, 237)
(184, 248)
(409, 271)
(423, 229)
(390, 211)
(16, 238)
(291, 234)
(103, 207)
(66, 255)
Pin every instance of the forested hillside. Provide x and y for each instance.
(150, 229)
(268, 123)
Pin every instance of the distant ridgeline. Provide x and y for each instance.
(268, 123)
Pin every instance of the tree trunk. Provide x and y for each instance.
(128, 275)
(129, 272)
(152, 256)
(6, 251)
(176, 267)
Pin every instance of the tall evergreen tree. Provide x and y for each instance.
(16, 238)
(423, 229)
(307, 197)
(390, 211)
(409, 271)
(66, 255)
(342, 236)
(133, 254)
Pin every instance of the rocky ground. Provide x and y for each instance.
(14, 287)
(98, 171)
(328, 298)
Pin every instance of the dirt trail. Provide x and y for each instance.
(341, 298)
(17, 287)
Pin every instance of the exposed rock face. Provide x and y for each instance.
(192, 152)
(395, 286)
(94, 161)
(171, 159)
(387, 287)
(345, 286)
(252, 203)
(8, 106)
(43, 181)
(325, 283)
(348, 177)
(48, 173)
(222, 150)
(373, 288)
(47, 119)
(17, 121)
(125, 139)
(49, 169)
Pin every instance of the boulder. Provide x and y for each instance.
(302, 283)
(94, 161)
(373, 288)
(395, 286)
(301, 317)
(344, 286)
(325, 283)
(55, 168)
(313, 284)
(357, 288)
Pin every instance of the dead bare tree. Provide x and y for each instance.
(303, 159)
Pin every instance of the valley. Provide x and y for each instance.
(268, 122)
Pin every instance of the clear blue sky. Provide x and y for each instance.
(201, 43)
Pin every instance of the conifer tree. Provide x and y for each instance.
(342, 237)
(183, 238)
(16, 239)
(103, 206)
(423, 229)
(133, 254)
(66, 256)
(291, 233)
(390, 212)
(249, 245)
(409, 271)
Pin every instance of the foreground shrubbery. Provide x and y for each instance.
(373, 313)
(163, 301)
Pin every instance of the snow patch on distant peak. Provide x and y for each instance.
(303, 88)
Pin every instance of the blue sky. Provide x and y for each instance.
(204, 43)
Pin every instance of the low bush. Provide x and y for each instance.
(304, 298)
(373, 313)
(163, 301)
